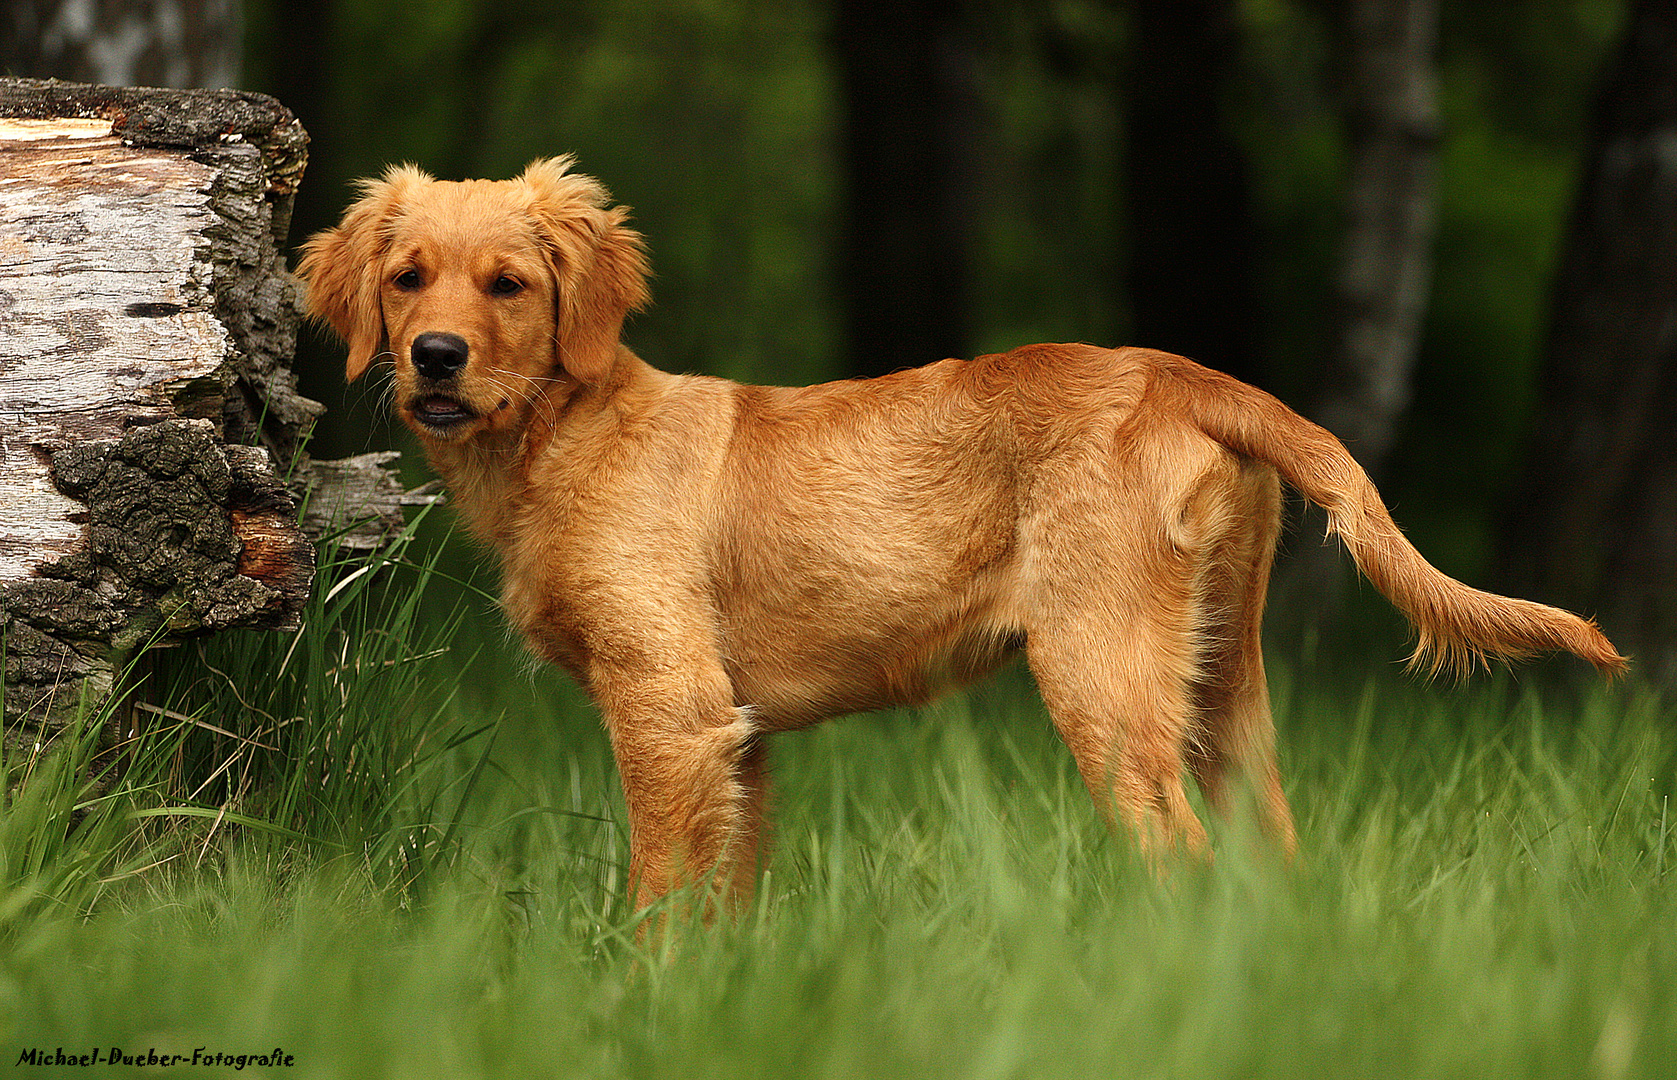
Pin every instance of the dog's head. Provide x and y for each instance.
(480, 292)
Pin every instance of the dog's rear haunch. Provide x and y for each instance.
(717, 562)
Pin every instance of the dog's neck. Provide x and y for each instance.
(487, 475)
(483, 479)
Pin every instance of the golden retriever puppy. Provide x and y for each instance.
(716, 563)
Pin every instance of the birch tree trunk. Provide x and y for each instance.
(1385, 268)
(1385, 259)
(151, 459)
(178, 43)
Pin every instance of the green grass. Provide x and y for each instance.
(399, 870)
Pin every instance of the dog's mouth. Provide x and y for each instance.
(440, 413)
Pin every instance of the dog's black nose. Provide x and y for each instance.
(439, 356)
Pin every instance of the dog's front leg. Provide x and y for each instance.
(689, 761)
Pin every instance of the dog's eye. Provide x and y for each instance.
(407, 280)
(506, 286)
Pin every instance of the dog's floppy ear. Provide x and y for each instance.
(599, 265)
(342, 265)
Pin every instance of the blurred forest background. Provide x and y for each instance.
(1445, 228)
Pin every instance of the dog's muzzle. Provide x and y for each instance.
(439, 357)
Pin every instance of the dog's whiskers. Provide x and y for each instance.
(525, 395)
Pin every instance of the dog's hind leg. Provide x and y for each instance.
(1234, 737)
(1113, 651)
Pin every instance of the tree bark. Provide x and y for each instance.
(1595, 524)
(151, 459)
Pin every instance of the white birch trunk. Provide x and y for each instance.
(151, 434)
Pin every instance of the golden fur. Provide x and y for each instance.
(716, 562)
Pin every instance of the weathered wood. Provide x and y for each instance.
(358, 501)
(151, 432)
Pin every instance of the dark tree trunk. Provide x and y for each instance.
(1186, 187)
(178, 43)
(1595, 523)
(906, 70)
(302, 79)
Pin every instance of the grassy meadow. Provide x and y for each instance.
(385, 848)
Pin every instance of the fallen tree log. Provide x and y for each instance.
(152, 437)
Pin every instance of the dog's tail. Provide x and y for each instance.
(1457, 625)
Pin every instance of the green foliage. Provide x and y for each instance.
(324, 744)
(1484, 886)
(63, 838)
